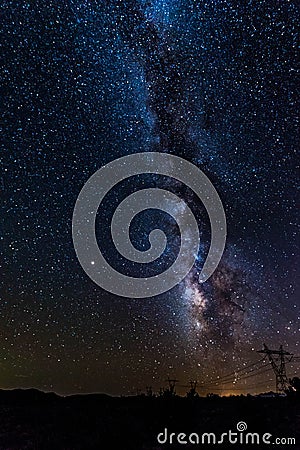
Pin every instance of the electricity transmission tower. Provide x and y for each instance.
(149, 391)
(172, 384)
(277, 359)
(193, 390)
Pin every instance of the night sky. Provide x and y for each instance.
(86, 82)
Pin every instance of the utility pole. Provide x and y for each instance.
(172, 384)
(278, 366)
(193, 390)
(149, 391)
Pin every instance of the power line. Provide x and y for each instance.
(228, 379)
(278, 360)
(258, 373)
(253, 373)
(233, 373)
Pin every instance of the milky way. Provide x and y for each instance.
(86, 82)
